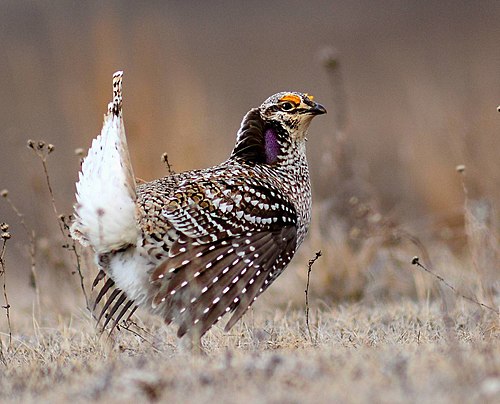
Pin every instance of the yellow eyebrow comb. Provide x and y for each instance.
(294, 99)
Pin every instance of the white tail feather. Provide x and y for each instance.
(105, 212)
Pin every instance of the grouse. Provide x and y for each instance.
(196, 245)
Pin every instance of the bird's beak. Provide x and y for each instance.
(318, 109)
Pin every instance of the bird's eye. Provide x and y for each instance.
(287, 106)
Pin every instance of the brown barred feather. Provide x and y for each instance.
(117, 319)
(108, 302)
(109, 309)
(107, 285)
(112, 311)
(100, 276)
(253, 291)
(242, 279)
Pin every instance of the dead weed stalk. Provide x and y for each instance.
(481, 241)
(42, 150)
(127, 324)
(309, 269)
(482, 237)
(31, 235)
(416, 261)
(5, 235)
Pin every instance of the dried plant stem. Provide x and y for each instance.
(470, 222)
(468, 219)
(309, 269)
(80, 275)
(72, 247)
(2, 356)
(31, 235)
(332, 64)
(5, 296)
(126, 326)
(164, 159)
(40, 152)
(416, 261)
(52, 198)
(482, 241)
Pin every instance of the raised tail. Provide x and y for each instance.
(105, 212)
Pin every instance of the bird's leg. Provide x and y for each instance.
(196, 346)
(191, 342)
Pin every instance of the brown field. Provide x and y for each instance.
(398, 352)
(411, 89)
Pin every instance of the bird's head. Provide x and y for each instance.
(269, 132)
(293, 111)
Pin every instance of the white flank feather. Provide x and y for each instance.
(105, 212)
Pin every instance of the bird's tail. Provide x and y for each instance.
(106, 212)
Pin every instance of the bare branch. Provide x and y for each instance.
(416, 261)
(5, 235)
(309, 269)
(30, 234)
(42, 151)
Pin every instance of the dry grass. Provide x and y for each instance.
(379, 329)
(402, 337)
(403, 114)
(382, 353)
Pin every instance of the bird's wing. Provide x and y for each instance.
(235, 239)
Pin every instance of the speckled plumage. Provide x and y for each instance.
(208, 241)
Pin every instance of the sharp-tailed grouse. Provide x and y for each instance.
(194, 246)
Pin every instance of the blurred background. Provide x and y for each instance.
(411, 88)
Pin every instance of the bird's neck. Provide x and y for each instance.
(266, 142)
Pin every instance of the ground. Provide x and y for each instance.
(394, 352)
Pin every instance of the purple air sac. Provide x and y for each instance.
(272, 146)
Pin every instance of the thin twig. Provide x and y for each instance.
(42, 151)
(416, 261)
(72, 247)
(5, 237)
(31, 235)
(134, 323)
(52, 198)
(164, 159)
(126, 326)
(2, 356)
(309, 269)
(170, 168)
(80, 274)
